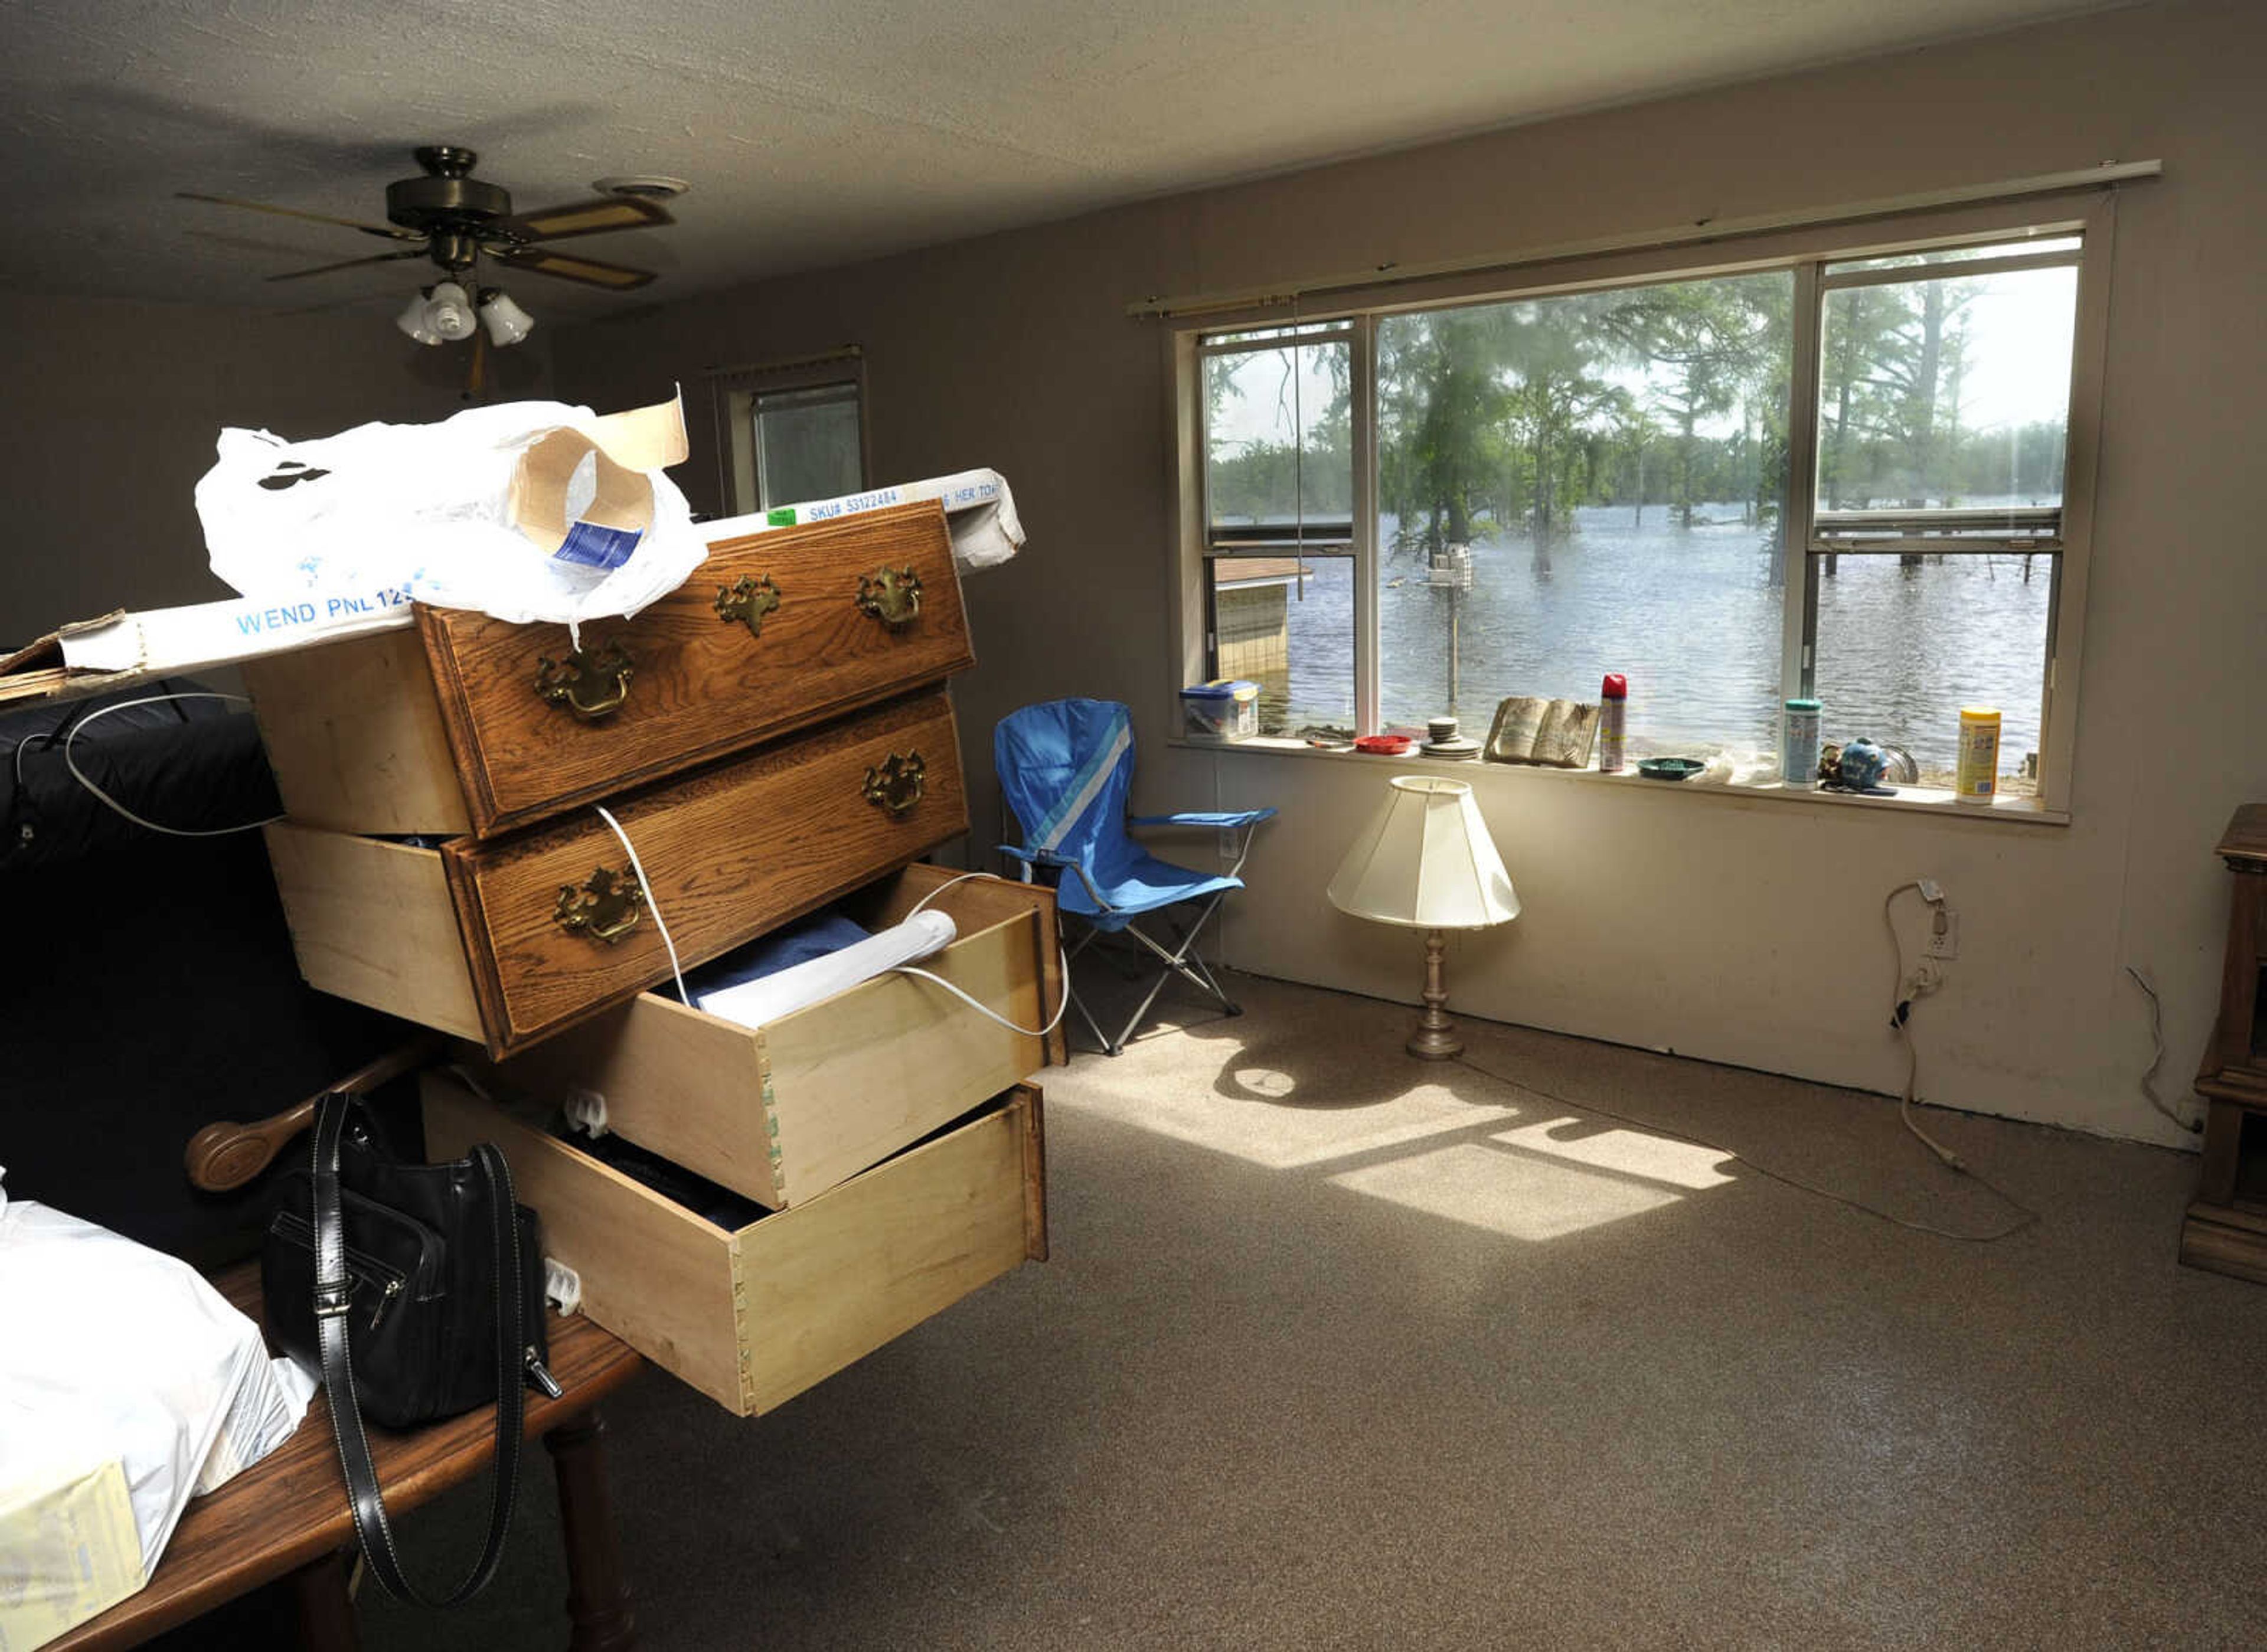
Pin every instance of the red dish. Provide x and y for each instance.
(1384, 744)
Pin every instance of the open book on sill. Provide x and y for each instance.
(1554, 733)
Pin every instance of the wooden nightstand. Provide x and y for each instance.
(2227, 1226)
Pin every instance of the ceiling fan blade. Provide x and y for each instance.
(595, 216)
(350, 263)
(392, 232)
(589, 271)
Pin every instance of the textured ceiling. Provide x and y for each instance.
(813, 133)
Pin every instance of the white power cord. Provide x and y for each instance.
(79, 774)
(1902, 994)
(2194, 1126)
(1062, 963)
(651, 904)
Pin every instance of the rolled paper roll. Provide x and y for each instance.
(756, 1003)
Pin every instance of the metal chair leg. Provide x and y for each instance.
(1182, 960)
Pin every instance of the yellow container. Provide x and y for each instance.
(1977, 778)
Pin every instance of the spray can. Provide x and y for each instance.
(1977, 777)
(1613, 724)
(1798, 741)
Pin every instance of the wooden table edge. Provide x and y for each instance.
(202, 1568)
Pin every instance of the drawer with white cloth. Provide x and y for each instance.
(782, 1110)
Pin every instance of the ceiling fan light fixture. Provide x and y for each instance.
(642, 186)
(449, 311)
(506, 322)
(412, 320)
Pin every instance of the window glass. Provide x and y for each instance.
(1592, 483)
(807, 444)
(1959, 254)
(1278, 450)
(1287, 623)
(1947, 392)
(1905, 641)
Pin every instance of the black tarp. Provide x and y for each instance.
(150, 987)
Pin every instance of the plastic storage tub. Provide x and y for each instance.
(1226, 710)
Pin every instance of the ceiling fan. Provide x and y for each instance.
(456, 219)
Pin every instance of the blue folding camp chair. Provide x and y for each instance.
(1065, 769)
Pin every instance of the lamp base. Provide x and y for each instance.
(1435, 1038)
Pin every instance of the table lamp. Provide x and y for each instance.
(1425, 862)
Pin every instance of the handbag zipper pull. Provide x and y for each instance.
(540, 1376)
(384, 1301)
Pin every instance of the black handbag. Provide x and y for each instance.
(417, 1291)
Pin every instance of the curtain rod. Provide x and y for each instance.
(1696, 233)
(842, 353)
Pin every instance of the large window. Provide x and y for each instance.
(1833, 474)
(1583, 484)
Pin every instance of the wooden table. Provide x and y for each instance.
(2227, 1226)
(287, 1515)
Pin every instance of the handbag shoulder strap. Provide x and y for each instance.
(332, 1286)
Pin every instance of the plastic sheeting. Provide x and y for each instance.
(113, 1352)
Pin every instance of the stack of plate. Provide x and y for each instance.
(1444, 741)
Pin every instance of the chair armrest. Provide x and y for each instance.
(1042, 857)
(1249, 817)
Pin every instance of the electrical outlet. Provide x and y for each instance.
(1926, 977)
(1944, 943)
(1228, 836)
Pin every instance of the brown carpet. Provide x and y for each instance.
(1339, 1350)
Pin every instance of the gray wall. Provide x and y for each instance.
(1739, 930)
(114, 408)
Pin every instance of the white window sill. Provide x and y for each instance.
(1914, 799)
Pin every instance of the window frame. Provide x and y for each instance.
(1804, 251)
(735, 393)
(1355, 332)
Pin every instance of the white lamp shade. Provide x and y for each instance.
(449, 311)
(506, 322)
(412, 320)
(1426, 860)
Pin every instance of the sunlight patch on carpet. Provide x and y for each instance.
(1509, 1194)
(1632, 1152)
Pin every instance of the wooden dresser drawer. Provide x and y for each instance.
(447, 731)
(753, 1315)
(781, 1113)
(728, 852)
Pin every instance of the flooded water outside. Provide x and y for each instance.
(1693, 621)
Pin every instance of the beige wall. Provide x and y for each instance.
(114, 407)
(1736, 929)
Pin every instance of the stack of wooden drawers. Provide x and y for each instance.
(772, 738)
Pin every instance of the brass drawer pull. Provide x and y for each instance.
(590, 685)
(891, 595)
(895, 784)
(748, 600)
(606, 907)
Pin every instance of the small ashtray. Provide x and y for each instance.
(1670, 767)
